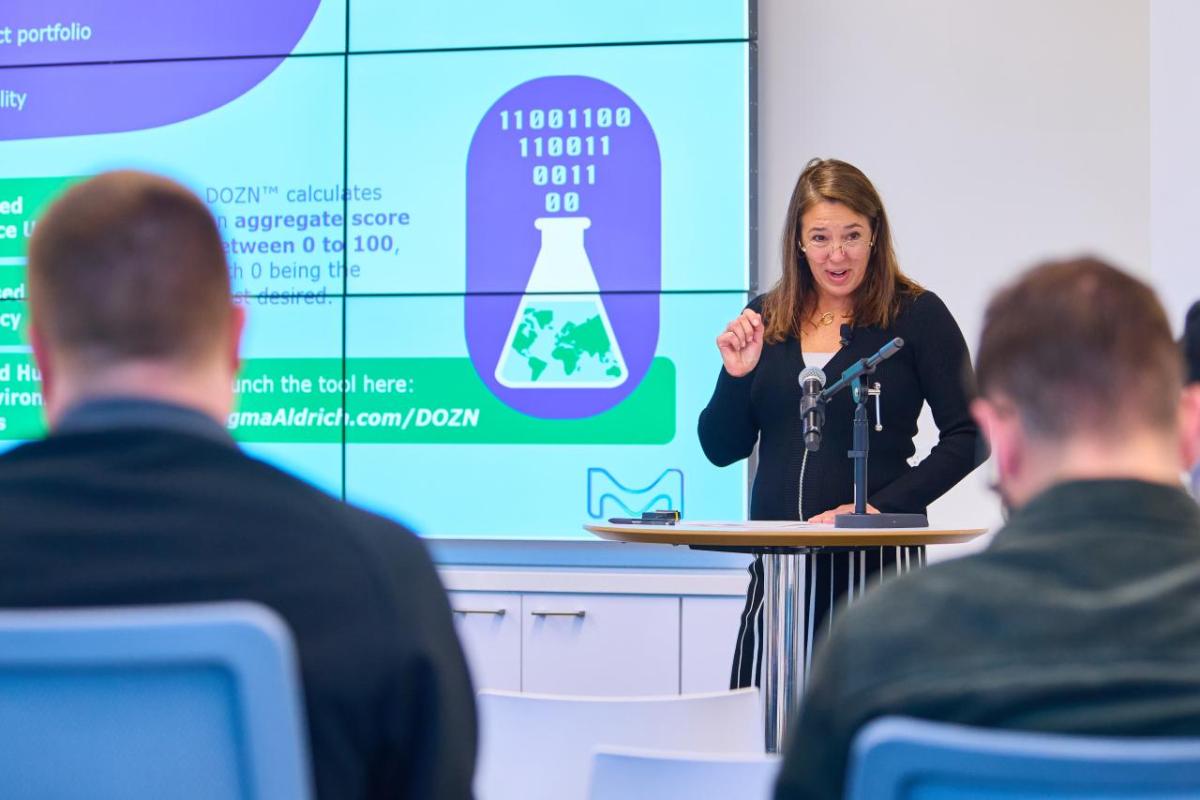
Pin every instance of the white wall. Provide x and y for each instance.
(1175, 152)
(999, 133)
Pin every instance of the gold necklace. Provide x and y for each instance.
(819, 321)
(827, 319)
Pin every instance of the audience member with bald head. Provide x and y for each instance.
(139, 496)
(1083, 613)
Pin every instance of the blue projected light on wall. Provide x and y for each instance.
(384, 214)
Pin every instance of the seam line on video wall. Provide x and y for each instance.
(380, 52)
(345, 238)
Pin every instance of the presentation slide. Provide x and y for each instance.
(388, 25)
(77, 31)
(483, 259)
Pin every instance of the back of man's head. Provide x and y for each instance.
(1079, 376)
(128, 269)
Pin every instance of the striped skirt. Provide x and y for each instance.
(832, 578)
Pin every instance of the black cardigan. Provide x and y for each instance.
(764, 407)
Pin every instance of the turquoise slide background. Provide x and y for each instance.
(392, 129)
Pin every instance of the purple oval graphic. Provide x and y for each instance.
(564, 244)
(74, 31)
(84, 99)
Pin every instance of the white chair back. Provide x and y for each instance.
(626, 774)
(539, 747)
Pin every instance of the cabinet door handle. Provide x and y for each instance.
(497, 612)
(579, 614)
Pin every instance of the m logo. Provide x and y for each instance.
(609, 497)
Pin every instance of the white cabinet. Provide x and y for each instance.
(489, 626)
(708, 630)
(597, 632)
(600, 644)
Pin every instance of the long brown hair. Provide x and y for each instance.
(877, 301)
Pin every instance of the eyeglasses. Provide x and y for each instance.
(821, 246)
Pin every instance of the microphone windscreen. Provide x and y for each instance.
(813, 372)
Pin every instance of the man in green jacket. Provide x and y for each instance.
(1083, 614)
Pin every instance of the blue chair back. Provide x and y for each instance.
(197, 701)
(900, 757)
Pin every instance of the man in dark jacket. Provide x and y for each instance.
(139, 495)
(1083, 614)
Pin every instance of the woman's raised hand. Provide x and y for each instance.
(741, 343)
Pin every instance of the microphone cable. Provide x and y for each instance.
(800, 502)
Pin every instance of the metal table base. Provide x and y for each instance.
(787, 640)
(787, 611)
(788, 631)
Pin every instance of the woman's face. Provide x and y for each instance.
(837, 243)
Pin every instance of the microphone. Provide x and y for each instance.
(864, 366)
(812, 406)
(887, 351)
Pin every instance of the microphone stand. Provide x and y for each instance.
(856, 378)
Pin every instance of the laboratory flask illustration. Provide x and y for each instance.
(563, 247)
(561, 340)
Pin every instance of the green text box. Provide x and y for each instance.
(387, 401)
(14, 323)
(25, 199)
(21, 415)
(12, 280)
(427, 401)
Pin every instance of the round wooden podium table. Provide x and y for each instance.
(787, 640)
